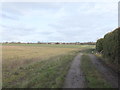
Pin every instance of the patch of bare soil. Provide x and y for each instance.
(108, 74)
(75, 77)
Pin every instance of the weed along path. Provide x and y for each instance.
(110, 76)
(75, 77)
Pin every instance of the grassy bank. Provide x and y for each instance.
(92, 75)
(45, 74)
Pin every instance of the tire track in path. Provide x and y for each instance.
(75, 77)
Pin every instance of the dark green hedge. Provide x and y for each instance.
(110, 45)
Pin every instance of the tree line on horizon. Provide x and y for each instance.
(76, 43)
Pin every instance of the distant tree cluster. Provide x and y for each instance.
(12, 42)
(88, 43)
(110, 45)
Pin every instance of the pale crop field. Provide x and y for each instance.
(15, 56)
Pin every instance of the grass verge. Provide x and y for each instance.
(107, 62)
(44, 74)
(93, 77)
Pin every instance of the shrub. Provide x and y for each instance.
(99, 45)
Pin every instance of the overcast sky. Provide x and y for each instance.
(64, 22)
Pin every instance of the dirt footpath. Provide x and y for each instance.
(75, 77)
(108, 74)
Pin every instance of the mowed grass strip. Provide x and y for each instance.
(93, 76)
(44, 74)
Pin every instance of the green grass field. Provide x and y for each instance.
(37, 65)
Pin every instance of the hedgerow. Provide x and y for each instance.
(110, 45)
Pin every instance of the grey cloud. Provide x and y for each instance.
(9, 17)
(57, 26)
(45, 33)
(20, 31)
(11, 10)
